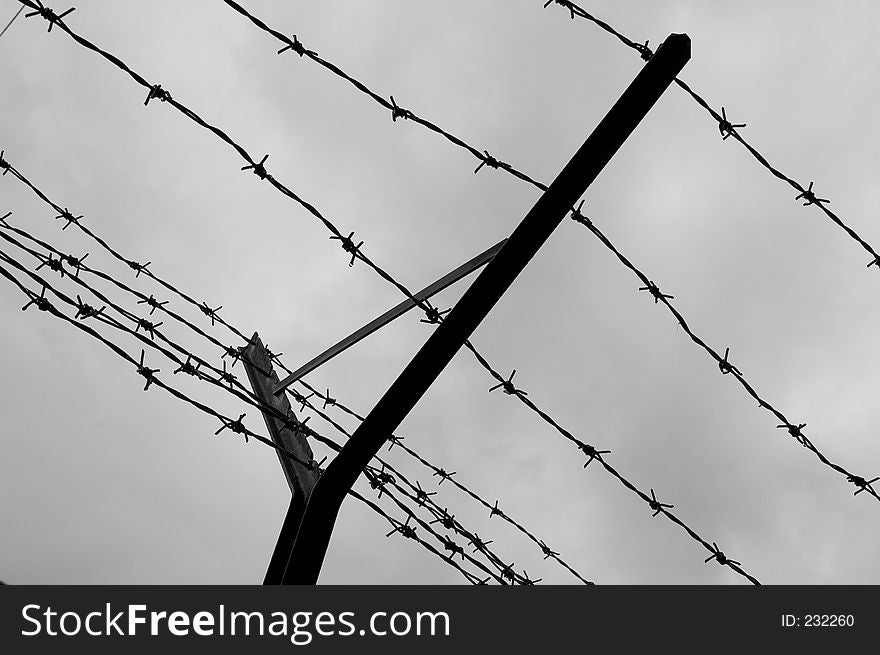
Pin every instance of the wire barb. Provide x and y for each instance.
(405, 529)
(68, 218)
(378, 479)
(546, 550)
(656, 505)
(399, 112)
(508, 387)
(452, 547)
(147, 326)
(443, 475)
(42, 302)
(566, 4)
(296, 46)
(862, 484)
(592, 453)
(147, 373)
(478, 544)
(210, 313)
(301, 399)
(152, 303)
(158, 93)
(349, 247)
(725, 127)
(488, 160)
(270, 355)
(258, 168)
(718, 555)
(446, 519)
(795, 431)
(189, 368)
(56, 265)
(422, 495)
(810, 197)
(237, 427)
(75, 262)
(234, 353)
(526, 580)
(5, 166)
(48, 14)
(507, 572)
(725, 366)
(137, 268)
(655, 291)
(227, 376)
(84, 311)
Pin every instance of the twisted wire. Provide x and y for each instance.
(727, 129)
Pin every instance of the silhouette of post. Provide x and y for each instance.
(300, 478)
(317, 523)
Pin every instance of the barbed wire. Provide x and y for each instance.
(257, 167)
(397, 524)
(224, 377)
(234, 425)
(423, 496)
(376, 478)
(348, 245)
(726, 128)
(186, 366)
(138, 268)
(296, 46)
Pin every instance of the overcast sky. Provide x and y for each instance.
(103, 483)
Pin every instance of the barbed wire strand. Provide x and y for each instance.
(727, 129)
(258, 168)
(397, 112)
(139, 269)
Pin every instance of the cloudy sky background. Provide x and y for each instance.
(103, 483)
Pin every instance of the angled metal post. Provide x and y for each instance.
(395, 312)
(559, 199)
(300, 479)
